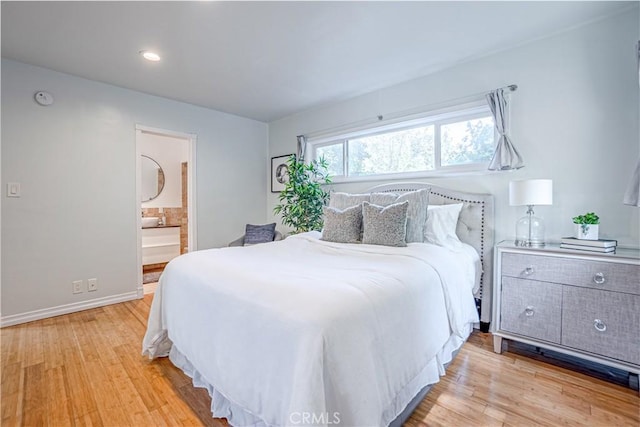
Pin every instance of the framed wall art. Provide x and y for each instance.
(279, 175)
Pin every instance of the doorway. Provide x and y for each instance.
(165, 200)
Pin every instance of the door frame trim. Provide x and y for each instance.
(192, 242)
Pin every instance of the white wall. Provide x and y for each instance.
(169, 152)
(574, 119)
(76, 162)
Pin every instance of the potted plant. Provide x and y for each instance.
(303, 197)
(586, 226)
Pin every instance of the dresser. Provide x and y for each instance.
(584, 304)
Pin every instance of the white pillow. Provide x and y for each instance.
(440, 228)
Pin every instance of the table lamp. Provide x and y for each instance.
(530, 192)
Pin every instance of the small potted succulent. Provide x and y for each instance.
(586, 226)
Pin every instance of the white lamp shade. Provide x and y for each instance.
(531, 192)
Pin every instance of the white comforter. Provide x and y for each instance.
(303, 331)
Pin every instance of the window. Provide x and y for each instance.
(460, 140)
(334, 155)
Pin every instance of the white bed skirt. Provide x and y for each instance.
(222, 407)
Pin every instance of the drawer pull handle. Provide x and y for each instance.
(528, 271)
(599, 325)
(529, 312)
(599, 278)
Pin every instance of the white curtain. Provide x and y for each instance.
(632, 195)
(506, 157)
(302, 146)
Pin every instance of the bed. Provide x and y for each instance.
(305, 331)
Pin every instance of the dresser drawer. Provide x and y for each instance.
(531, 308)
(616, 336)
(572, 271)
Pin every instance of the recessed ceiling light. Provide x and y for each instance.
(150, 56)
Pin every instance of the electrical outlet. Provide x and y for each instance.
(92, 285)
(76, 286)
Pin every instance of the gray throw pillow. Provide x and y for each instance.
(255, 234)
(416, 214)
(342, 226)
(383, 199)
(385, 225)
(346, 200)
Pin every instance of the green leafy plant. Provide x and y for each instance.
(303, 197)
(586, 220)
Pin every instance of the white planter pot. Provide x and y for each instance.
(586, 231)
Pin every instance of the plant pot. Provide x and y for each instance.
(586, 231)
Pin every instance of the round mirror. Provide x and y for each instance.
(152, 179)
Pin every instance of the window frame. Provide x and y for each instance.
(455, 114)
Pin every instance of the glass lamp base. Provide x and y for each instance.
(530, 232)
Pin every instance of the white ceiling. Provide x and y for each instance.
(267, 60)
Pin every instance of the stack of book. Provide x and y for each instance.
(601, 245)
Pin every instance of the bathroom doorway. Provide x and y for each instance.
(165, 197)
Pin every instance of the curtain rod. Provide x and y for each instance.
(405, 113)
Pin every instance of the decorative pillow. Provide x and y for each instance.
(346, 200)
(342, 226)
(416, 214)
(255, 234)
(385, 225)
(440, 228)
(383, 199)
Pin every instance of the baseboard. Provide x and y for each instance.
(44, 313)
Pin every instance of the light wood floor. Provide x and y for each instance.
(86, 369)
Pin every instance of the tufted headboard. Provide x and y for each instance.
(475, 228)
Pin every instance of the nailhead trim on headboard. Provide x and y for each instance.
(457, 199)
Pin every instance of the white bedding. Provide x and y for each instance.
(307, 332)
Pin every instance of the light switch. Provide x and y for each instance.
(13, 189)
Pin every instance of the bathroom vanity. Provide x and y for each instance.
(160, 244)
